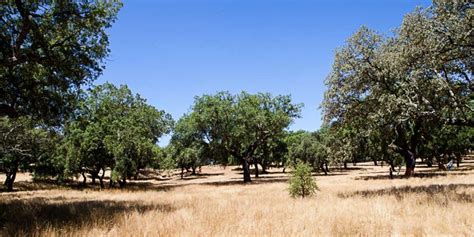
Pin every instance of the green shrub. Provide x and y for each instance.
(302, 183)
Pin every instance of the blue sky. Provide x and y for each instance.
(172, 50)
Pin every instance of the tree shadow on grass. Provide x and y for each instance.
(348, 169)
(401, 176)
(435, 192)
(464, 168)
(25, 216)
(239, 181)
(144, 186)
(201, 176)
(38, 185)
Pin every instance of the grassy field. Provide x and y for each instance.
(358, 201)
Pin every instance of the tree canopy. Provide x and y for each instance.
(238, 125)
(48, 49)
(112, 128)
(407, 84)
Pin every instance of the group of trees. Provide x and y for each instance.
(48, 50)
(410, 94)
(109, 129)
(113, 129)
(243, 128)
(389, 98)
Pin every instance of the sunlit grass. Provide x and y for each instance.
(345, 205)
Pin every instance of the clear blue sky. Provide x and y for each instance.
(172, 50)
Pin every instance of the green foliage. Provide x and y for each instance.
(238, 125)
(114, 129)
(302, 183)
(167, 162)
(48, 49)
(22, 143)
(309, 148)
(188, 151)
(390, 93)
(51, 162)
(271, 152)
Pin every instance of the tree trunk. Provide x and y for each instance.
(111, 183)
(94, 175)
(391, 168)
(9, 183)
(11, 176)
(375, 162)
(255, 163)
(84, 178)
(429, 162)
(264, 167)
(441, 166)
(182, 172)
(135, 176)
(458, 160)
(326, 165)
(101, 178)
(245, 168)
(122, 182)
(324, 170)
(193, 170)
(345, 164)
(410, 163)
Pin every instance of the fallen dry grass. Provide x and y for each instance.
(358, 202)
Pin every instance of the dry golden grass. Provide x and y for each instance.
(358, 202)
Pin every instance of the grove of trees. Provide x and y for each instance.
(234, 126)
(410, 93)
(113, 129)
(394, 98)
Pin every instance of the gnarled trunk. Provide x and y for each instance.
(246, 170)
(84, 178)
(255, 163)
(324, 170)
(410, 163)
(101, 178)
(11, 176)
(391, 169)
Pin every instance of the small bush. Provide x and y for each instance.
(302, 183)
